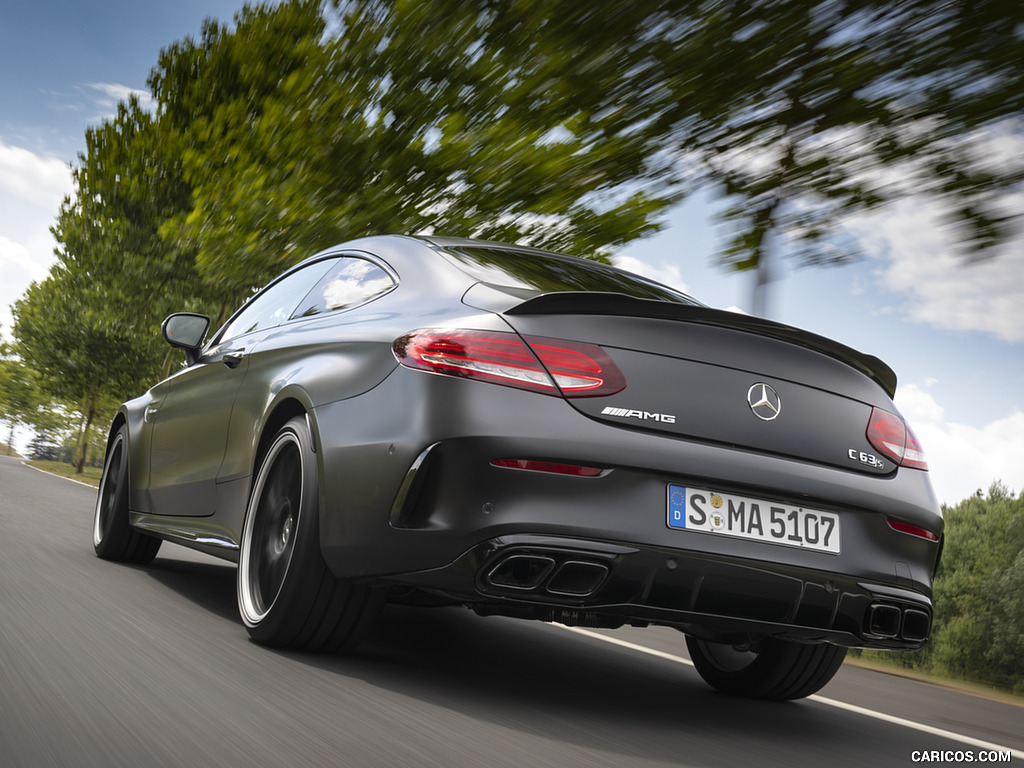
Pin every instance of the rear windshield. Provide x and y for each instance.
(556, 274)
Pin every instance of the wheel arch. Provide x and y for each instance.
(119, 421)
(114, 537)
(283, 411)
(291, 402)
(131, 420)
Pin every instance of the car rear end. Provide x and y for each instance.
(599, 459)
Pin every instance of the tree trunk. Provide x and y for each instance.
(84, 439)
(165, 369)
(762, 285)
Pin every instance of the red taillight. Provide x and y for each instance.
(548, 466)
(537, 364)
(914, 455)
(890, 435)
(913, 530)
(579, 370)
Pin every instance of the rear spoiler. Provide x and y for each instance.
(627, 306)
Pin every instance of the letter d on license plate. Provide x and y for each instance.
(743, 517)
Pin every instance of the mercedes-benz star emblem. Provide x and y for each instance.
(764, 402)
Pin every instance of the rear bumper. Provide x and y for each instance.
(409, 497)
(603, 584)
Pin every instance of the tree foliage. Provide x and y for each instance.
(89, 331)
(127, 183)
(801, 114)
(75, 355)
(18, 397)
(294, 137)
(980, 622)
(555, 123)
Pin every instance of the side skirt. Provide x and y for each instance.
(204, 535)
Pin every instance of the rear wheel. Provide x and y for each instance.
(113, 538)
(287, 596)
(770, 669)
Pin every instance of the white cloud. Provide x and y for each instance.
(111, 94)
(919, 251)
(31, 190)
(961, 458)
(27, 178)
(918, 258)
(94, 103)
(665, 274)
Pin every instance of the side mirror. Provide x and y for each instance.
(186, 330)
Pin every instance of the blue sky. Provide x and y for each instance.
(953, 333)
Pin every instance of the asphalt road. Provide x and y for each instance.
(108, 665)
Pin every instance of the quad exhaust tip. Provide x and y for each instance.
(916, 625)
(520, 572)
(557, 574)
(891, 622)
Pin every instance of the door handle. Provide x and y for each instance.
(233, 358)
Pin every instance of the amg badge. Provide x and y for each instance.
(629, 413)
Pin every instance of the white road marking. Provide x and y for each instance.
(941, 732)
(624, 644)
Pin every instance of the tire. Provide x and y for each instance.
(777, 670)
(113, 537)
(287, 596)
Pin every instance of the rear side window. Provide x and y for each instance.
(274, 304)
(351, 282)
(556, 274)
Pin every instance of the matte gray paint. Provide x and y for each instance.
(372, 419)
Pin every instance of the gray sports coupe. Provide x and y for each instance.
(437, 421)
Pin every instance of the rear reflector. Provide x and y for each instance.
(548, 466)
(890, 435)
(550, 366)
(913, 530)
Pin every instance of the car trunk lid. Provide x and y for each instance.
(703, 374)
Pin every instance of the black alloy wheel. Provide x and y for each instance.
(287, 597)
(113, 538)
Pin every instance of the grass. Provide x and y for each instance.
(91, 475)
(878, 664)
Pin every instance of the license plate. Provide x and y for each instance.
(743, 517)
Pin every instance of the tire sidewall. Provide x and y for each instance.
(780, 670)
(109, 530)
(290, 603)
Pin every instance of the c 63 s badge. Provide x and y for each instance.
(865, 458)
(632, 413)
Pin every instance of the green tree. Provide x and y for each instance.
(18, 401)
(127, 183)
(64, 337)
(561, 124)
(802, 113)
(1004, 655)
(295, 138)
